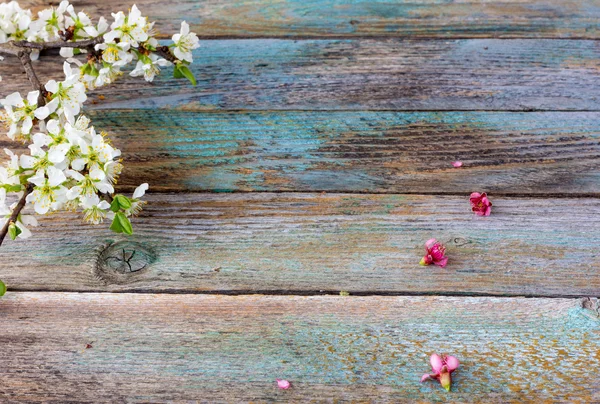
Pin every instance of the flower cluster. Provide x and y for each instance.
(69, 164)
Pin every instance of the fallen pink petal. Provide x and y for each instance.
(435, 254)
(283, 384)
(442, 367)
(457, 164)
(480, 204)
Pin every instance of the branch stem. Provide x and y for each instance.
(16, 212)
(59, 44)
(33, 79)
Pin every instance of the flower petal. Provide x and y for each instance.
(436, 363)
(140, 191)
(283, 384)
(430, 243)
(451, 362)
(441, 263)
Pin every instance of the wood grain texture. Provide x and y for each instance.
(307, 243)
(166, 348)
(362, 74)
(387, 152)
(363, 18)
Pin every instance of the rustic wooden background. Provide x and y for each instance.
(315, 157)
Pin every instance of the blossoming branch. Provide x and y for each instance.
(70, 165)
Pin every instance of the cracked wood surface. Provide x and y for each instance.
(271, 74)
(172, 348)
(364, 18)
(306, 243)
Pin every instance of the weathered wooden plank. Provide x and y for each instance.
(352, 18)
(157, 348)
(390, 152)
(311, 243)
(365, 74)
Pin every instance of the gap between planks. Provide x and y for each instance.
(306, 293)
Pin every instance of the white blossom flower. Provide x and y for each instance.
(89, 184)
(24, 111)
(64, 143)
(14, 22)
(112, 169)
(98, 30)
(94, 210)
(38, 160)
(108, 74)
(115, 53)
(150, 68)
(136, 203)
(80, 21)
(70, 93)
(95, 154)
(9, 175)
(48, 193)
(130, 29)
(49, 22)
(184, 43)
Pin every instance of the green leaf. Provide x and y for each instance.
(120, 202)
(2, 288)
(123, 201)
(177, 73)
(116, 225)
(13, 231)
(121, 224)
(188, 74)
(125, 223)
(114, 205)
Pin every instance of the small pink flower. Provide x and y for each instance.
(442, 367)
(283, 384)
(480, 204)
(435, 254)
(457, 164)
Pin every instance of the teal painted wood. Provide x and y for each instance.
(391, 152)
(169, 348)
(363, 74)
(313, 243)
(364, 18)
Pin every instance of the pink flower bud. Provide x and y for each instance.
(435, 253)
(480, 204)
(442, 367)
(457, 164)
(283, 384)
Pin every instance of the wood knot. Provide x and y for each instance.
(118, 262)
(460, 241)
